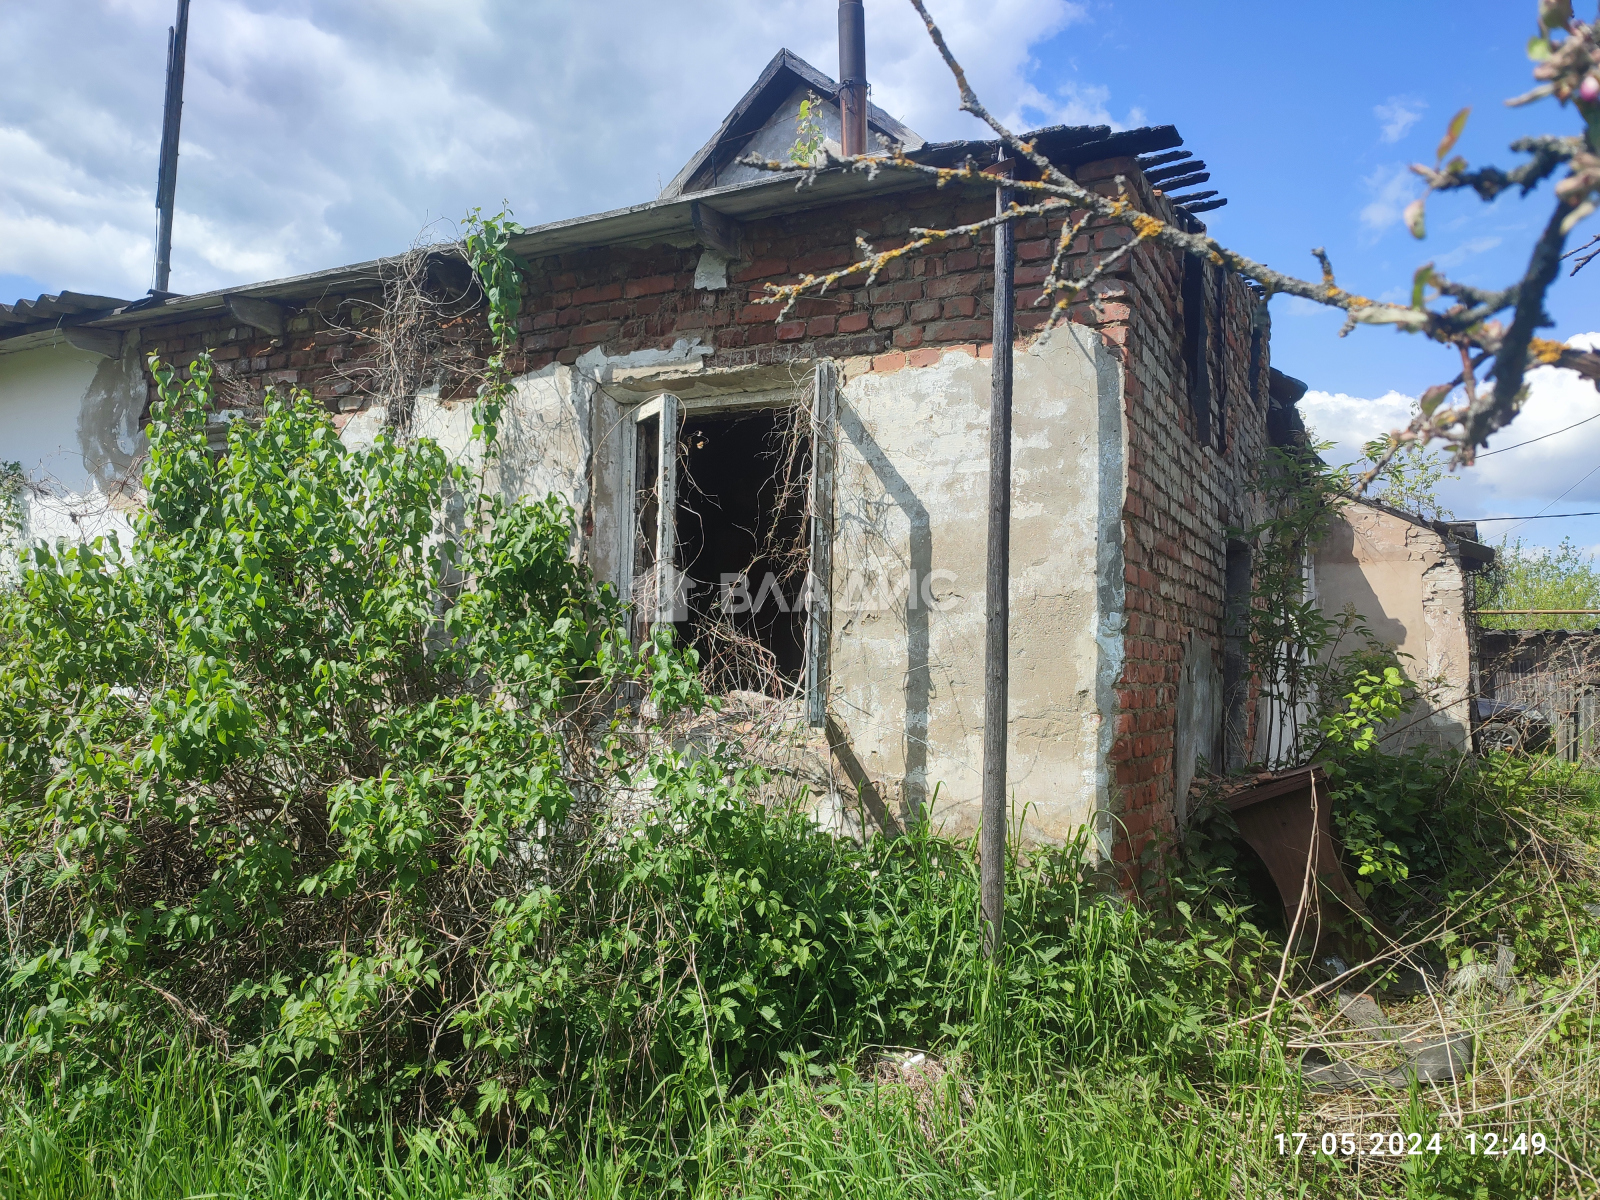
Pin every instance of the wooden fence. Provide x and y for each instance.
(1555, 671)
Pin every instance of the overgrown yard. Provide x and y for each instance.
(347, 851)
(1113, 1056)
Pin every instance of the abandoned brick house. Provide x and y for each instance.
(650, 376)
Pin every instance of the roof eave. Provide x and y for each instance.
(640, 224)
(662, 219)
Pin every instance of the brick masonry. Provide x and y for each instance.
(1181, 496)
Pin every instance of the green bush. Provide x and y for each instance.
(1540, 577)
(321, 770)
(1464, 850)
(275, 765)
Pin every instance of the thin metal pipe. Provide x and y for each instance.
(172, 119)
(852, 77)
(997, 633)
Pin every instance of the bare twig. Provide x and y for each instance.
(1468, 325)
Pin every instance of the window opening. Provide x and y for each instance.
(1196, 360)
(743, 547)
(729, 536)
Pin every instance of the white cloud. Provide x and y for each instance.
(1518, 481)
(1392, 187)
(1073, 104)
(1350, 422)
(318, 134)
(1397, 115)
(1471, 248)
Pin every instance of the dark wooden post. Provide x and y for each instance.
(172, 118)
(992, 834)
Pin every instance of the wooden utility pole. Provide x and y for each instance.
(172, 117)
(997, 634)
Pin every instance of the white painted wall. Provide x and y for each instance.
(71, 420)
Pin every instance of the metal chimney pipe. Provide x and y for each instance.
(172, 117)
(853, 76)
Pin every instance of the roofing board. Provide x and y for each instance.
(777, 81)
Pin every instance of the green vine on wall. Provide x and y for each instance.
(500, 271)
(1307, 663)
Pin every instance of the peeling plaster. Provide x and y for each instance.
(912, 499)
(1408, 586)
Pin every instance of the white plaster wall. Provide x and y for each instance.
(912, 484)
(543, 435)
(1403, 580)
(71, 420)
(544, 427)
(41, 395)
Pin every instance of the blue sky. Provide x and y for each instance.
(1308, 115)
(319, 134)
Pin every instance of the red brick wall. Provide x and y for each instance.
(1182, 496)
(629, 298)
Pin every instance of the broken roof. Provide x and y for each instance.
(68, 308)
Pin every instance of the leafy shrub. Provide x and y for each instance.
(1465, 850)
(274, 764)
(1540, 577)
(330, 768)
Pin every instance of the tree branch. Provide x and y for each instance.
(1465, 325)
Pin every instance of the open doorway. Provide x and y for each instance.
(742, 546)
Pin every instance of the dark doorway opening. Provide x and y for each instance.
(741, 531)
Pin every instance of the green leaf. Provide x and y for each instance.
(1419, 283)
(1453, 133)
(1538, 47)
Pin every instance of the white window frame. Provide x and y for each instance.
(665, 603)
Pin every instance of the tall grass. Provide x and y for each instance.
(183, 1128)
(1113, 1053)
(1020, 1078)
